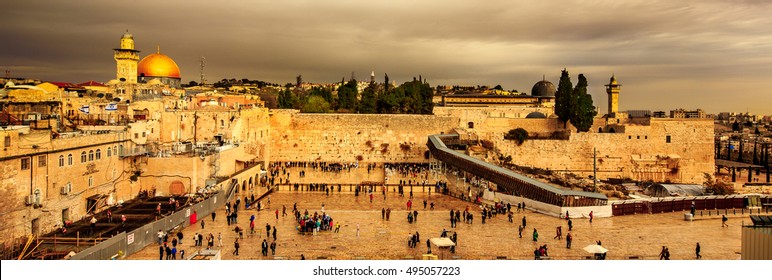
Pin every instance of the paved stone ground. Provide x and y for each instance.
(624, 236)
(640, 235)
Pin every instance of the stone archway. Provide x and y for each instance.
(177, 188)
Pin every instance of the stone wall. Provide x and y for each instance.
(347, 137)
(640, 152)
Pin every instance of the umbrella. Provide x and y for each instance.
(595, 249)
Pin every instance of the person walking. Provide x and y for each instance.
(723, 221)
(236, 246)
(274, 233)
(570, 224)
(535, 235)
(524, 223)
(264, 248)
(219, 239)
(662, 253)
(558, 233)
(428, 246)
(520, 231)
(569, 239)
(213, 215)
(273, 248)
(697, 251)
(202, 223)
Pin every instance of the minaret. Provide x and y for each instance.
(372, 77)
(126, 59)
(612, 89)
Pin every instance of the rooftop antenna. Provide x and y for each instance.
(202, 70)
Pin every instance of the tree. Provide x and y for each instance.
(757, 132)
(717, 186)
(386, 82)
(583, 113)
(518, 135)
(564, 100)
(498, 87)
(347, 96)
(321, 92)
(286, 99)
(736, 126)
(368, 103)
(192, 84)
(316, 104)
(387, 103)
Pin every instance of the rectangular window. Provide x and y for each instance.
(42, 161)
(90, 181)
(25, 163)
(136, 135)
(7, 141)
(143, 134)
(667, 139)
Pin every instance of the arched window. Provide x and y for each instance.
(69, 159)
(61, 160)
(91, 155)
(83, 157)
(109, 151)
(600, 130)
(98, 154)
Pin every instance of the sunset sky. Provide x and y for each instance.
(709, 54)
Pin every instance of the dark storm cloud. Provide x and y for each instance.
(689, 53)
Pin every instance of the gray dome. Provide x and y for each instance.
(543, 88)
(536, 115)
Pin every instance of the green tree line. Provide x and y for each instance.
(413, 97)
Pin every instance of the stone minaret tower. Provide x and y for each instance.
(612, 89)
(126, 59)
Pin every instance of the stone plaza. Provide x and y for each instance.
(626, 237)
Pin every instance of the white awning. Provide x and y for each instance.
(442, 242)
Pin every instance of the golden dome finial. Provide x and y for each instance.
(158, 48)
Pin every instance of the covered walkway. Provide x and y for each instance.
(509, 181)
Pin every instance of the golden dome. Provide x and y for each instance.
(158, 65)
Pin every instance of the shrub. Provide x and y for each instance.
(518, 135)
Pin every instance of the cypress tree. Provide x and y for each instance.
(564, 98)
(583, 112)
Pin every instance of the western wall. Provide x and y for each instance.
(637, 149)
(349, 137)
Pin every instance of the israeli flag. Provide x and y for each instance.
(731, 147)
(84, 109)
(111, 107)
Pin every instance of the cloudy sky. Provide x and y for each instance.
(709, 54)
